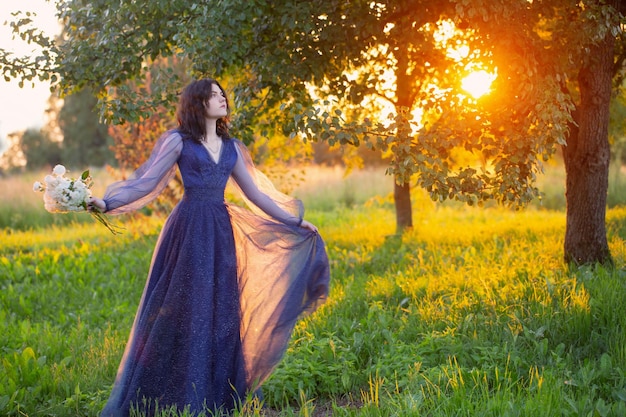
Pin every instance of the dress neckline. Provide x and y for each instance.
(219, 154)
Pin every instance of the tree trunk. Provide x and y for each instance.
(587, 157)
(402, 187)
(404, 213)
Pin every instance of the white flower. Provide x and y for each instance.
(59, 170)
(62, 195)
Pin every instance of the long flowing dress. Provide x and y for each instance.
(226, 284)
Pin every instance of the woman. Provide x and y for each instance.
(226, 285)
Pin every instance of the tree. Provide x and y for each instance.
(86, 141)
(555, 61)
(133, 142)
(12, 157)
(587, 157)
(39, 150)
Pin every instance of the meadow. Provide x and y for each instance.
(472, 313)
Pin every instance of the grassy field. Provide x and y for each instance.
(472, 313)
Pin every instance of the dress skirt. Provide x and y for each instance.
(209, 329)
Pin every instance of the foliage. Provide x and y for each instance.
(472, 311)
(29, 68)
(396, 52)
(133, 142)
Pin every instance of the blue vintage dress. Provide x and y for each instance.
(226, 284)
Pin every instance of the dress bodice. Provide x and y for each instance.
(204, 178)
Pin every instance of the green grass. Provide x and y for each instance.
(472, 313)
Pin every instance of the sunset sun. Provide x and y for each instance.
(478, 83)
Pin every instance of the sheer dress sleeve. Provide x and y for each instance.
(259, 193)
(149, 180)
(283, 270)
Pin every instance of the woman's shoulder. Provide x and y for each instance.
(173, 135)
(181, 134)
(237, 142)
(170, 139)
(177, 133)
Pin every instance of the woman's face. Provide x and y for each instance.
(216, 105)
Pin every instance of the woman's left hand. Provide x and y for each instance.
(308, 225)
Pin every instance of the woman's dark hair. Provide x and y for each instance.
(191, 109)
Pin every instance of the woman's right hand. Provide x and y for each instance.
(96, 203)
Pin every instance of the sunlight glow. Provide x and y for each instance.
(478, 83)
(444, 36)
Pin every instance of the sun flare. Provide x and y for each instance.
(478, 83)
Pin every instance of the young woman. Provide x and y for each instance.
(226, 284)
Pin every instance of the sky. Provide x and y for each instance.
(21, 108)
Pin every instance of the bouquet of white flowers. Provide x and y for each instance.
(64, 195)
